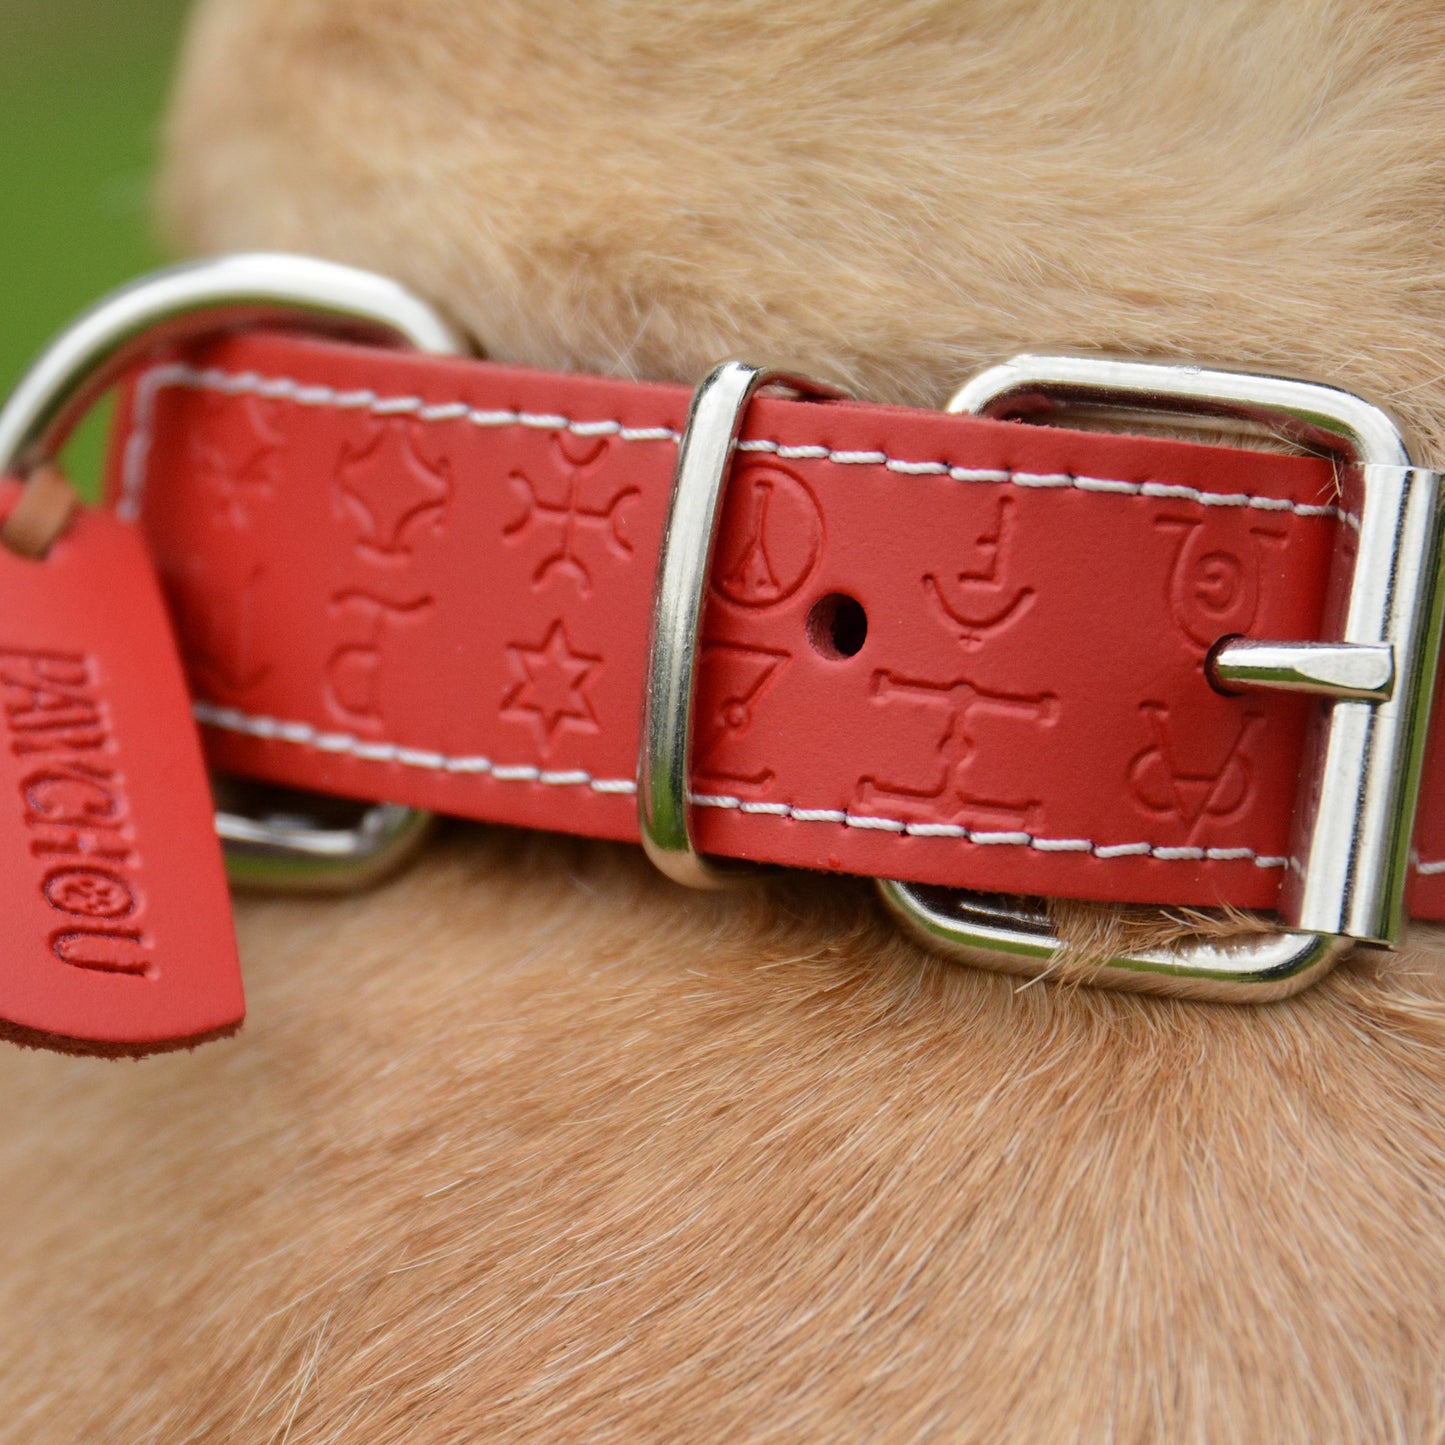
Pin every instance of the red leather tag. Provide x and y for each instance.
(115, 926)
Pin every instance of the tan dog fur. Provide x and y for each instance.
(529, 1144)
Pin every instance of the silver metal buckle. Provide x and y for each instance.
(1355, 817)
(186, 303)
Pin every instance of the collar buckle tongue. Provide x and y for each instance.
(1355, 816)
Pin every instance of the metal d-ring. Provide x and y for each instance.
(183, 304)
(1355, 815)
(705, 453)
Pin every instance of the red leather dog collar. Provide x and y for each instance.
(428, 580)
(965, 652)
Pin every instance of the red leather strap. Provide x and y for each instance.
(429, 581)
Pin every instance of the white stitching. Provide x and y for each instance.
(301, 734)
(283, 388)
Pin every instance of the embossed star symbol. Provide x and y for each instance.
(549, 691)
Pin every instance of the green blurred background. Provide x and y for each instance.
(82, 87)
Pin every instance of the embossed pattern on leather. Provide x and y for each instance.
(429, 581)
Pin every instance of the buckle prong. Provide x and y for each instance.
(1326, 669)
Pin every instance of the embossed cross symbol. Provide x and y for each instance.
(567, 516)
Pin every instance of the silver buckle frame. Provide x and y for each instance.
(187, 303)
(1354, 820)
